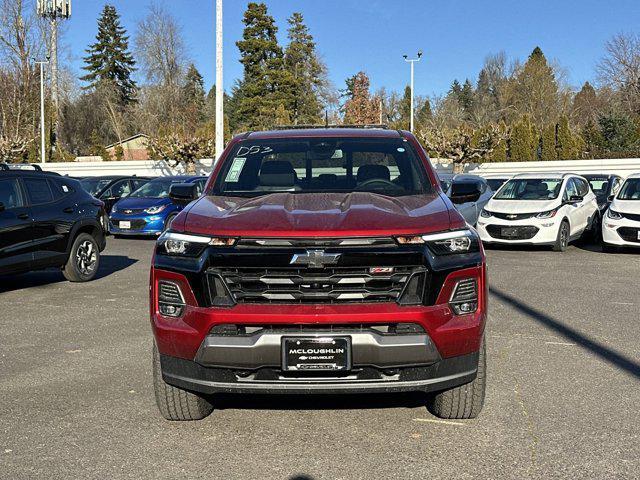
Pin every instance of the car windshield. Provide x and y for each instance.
(630, 190)
(156, 188)
(385, 166)
(600, 186)
(496, 183)
(530, 189)
(94, 185)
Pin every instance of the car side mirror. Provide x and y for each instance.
(610, 198)
(465, 192)
(1, 207)
(183, 193)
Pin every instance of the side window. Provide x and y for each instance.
(583, 187)
(120, 189)
(200, 186)
(59, 189)
(38, 190)
(571, 190)
(138, 183)
(617, 182)
(10, 193)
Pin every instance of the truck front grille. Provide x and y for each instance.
(327, 285)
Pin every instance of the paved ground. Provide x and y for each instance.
(564, 388)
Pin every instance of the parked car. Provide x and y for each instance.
(112, 188)
(605, 186)
(47, 220)
(496, 180)
(149, 210)
(542, 209)
(319, 261)
(621, 222)
(469, 193)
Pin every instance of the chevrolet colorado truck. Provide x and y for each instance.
(319, 260)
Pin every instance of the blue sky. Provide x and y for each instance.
(372, 35)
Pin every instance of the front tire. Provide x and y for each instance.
(175, 403)
(465, 401)
(84, 259)
(562, 241)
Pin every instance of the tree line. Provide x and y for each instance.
(147, 83)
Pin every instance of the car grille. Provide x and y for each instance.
(131, 211)
(629, 234)
(512, 216)
(631, 216)
(512, 233)
(328, 285)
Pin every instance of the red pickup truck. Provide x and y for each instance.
(319, 260)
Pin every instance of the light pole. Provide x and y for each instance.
(412, 61)
(219, 85)
(42, 142)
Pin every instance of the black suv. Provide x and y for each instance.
(49, 221)
(111, 188)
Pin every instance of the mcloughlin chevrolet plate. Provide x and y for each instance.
(316, 353)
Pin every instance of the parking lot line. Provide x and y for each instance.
(443, 422)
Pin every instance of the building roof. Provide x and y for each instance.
(137, 135)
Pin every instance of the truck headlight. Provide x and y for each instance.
(613, 215)
(154, 210)
(173, 243)
(445, 243)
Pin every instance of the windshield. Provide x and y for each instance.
(630, 190)
(385, 166)
(530, 189)
(600, 186)
(156, 188)
(94, 185)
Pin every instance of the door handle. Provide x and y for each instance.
(23, 216)
(68, 210)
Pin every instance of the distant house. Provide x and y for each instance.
(133, 148)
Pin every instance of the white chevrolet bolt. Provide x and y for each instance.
(540, 209)
(621, 222)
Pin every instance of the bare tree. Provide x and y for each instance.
(620, 69)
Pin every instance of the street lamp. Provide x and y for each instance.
(219, 84)
(412, 61)
(42, 63)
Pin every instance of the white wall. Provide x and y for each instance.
(155, 168)
(622, 167)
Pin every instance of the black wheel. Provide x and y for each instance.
(562, 241)
(84, 259)
(465, 401)
(175, 403)
(167, 222)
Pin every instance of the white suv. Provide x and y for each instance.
(621, 223)
(541, 209)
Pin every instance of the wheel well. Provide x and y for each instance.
(92, 230)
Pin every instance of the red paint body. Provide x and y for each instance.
(322, 215)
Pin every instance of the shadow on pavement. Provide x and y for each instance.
(607, 354)
(320, 402)
(108, 264)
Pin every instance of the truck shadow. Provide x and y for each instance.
(109, 264)
(607, 354)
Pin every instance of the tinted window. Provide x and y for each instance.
(156, 188)
(138, 183)
(120, 189)
(495, 183)
(582, 187)
(630, 190)
(59, 188)
(530, 189)
(94, 185)
(384, 166)
(10, 193)
(38, 190)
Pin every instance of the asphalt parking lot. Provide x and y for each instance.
(76, 398)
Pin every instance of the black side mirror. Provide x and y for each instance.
(465, 192)
(610, 198)
(183, 193)
(1, 207)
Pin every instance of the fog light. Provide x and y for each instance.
(464, 298)
(464, 308)
(170, 299)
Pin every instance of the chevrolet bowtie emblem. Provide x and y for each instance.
(315, 258)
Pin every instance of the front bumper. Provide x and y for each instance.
(140, 225)
(546, 234)
(441, 375)
(613, 235)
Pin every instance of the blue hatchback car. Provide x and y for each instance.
(149, 210)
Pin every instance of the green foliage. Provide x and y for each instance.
(619, 132)
(548, 143)
(466, 98)
(568, 146)
(108, 59)
(97, 147)
(523, 144)
(118, 152)
(194, 96)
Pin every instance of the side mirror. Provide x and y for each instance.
(1, 207)
(610, 198)
(465, 192)
(183, 193)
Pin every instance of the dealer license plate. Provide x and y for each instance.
(316, 353)
(125, 224)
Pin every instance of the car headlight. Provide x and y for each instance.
(547, 214)
(154, 210)
(613, 215)
(173, 243)
(114, 209)
(485, 214)
(446, 243)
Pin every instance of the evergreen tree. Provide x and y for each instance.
(404, 109)
(567, 144)
(361, 108)
(259, 93)
(619, 133)
(548, 143)
(592, 140)
(585, 105)
(456, 89)
(523, 143)
(465, 97)
(304, 73)
(108, 59)
(194, 96)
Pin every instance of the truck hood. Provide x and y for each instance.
(521, 206)
(318, 215)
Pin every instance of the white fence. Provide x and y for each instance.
(153, 168)
(618, 166)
